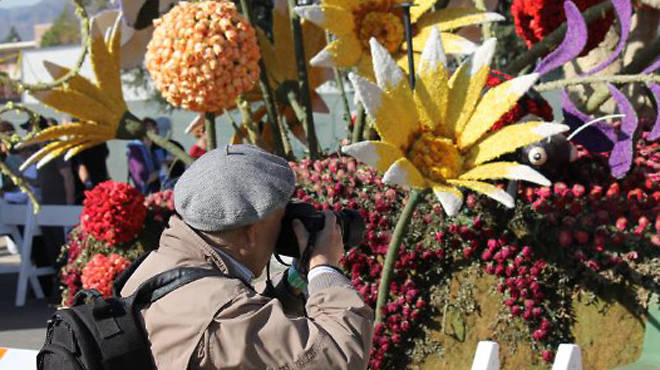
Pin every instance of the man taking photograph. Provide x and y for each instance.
(230, 205)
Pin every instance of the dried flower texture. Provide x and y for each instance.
(203, 55)
(536, 19)
(101, 271)
(438, 136)
(114, 212)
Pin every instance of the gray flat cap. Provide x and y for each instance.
(232, 186)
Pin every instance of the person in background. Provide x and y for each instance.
(89, 169)
(29, 175)
(196, 129)
(145, 160)
(55, 180)
(173, 168)
(10, 158)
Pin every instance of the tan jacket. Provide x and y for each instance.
(221, 322)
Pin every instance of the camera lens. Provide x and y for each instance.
(350, 221)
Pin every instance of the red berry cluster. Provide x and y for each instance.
(113, 212)
(101, 272)
(535, 19)
(527, 104)
(605, 224)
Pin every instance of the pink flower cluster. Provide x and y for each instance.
(339, 182)
(101, 272)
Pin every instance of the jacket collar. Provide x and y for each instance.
(181, 239)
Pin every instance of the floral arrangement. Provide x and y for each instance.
(439, 122)
(535, 19)
(118, 225)
(113, 212)
(203, 55)
(101, 271)
(600, 248)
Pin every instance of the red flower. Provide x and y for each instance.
(101, 271)
(536, 19)
(113, 212)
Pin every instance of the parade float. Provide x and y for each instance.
(490, 215)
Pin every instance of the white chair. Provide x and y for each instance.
(12, 215)
(49, 215)
(568, 357)
(487, 356)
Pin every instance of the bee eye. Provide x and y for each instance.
(537, 156)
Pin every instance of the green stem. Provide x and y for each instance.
(486, 28)
(548, 43)
(170, 147)
(392, 251)
(360, 119)
(339, 80)
(617, 79)
(298, 110)
(645, 57)
(211, 139)
(248, 120)
(303, 82)
(288, 150)
(267, 92)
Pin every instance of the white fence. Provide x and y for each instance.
(487, 357)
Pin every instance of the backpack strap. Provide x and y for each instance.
(158, 286)
(121, 280)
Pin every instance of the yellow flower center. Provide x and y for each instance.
(386, 27)
(436, 157)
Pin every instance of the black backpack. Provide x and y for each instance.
(108, 333)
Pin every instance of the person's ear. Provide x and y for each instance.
(251, 235)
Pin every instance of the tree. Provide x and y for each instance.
(64, 31)
(13, 36)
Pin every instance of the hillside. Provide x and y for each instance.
(25, 17)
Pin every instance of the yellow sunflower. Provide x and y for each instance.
(437, 135)
(356, 22)
(99, 105)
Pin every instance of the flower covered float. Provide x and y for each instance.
(437, 135)
(118, 224)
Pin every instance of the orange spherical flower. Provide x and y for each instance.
(203, 55)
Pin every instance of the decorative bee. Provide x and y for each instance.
(549, 155)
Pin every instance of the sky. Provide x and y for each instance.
(13, 3)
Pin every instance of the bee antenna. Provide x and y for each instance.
(603, 118)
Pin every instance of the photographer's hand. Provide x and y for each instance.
(329, 247)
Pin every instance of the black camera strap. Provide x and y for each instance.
(303, 263)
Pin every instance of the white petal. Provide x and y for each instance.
(388, 73)
(450, 202)
(396, 175)
(363, 151)
(520, 85)
(369, 93)
(433, 52)
(483, 56)
(546, 129)
(502, 197)
(312, 13)
(529, 174)
(322, 59)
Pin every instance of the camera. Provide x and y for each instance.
(350, 221)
